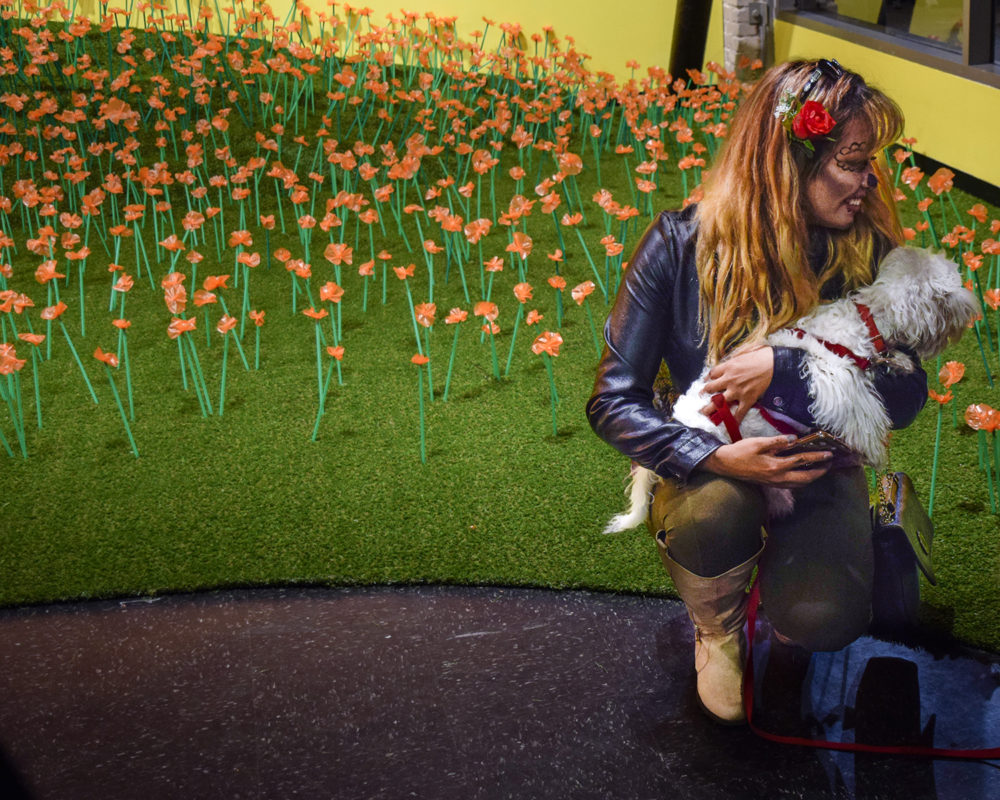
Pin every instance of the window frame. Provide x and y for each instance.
(977, 60)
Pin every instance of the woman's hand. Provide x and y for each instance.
(756, 459)
(741, 379)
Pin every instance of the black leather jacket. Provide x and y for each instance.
(654, 318)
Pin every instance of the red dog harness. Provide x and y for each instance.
(724, 416)
(838, 349)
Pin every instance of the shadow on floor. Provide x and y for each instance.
(441, 692)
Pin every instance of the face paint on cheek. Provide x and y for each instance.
(847, 157)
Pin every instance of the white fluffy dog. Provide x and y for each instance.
(917, 301)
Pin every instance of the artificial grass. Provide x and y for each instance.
(246, 498)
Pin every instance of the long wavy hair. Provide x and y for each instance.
(753, 241)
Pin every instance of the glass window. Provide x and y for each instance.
(934, 22)
(996, 31)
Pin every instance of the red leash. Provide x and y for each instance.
(856, 747)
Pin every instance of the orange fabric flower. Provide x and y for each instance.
(178, 326)
(979, 212)
(257, 317)
(47, 272)
(122, 324)
(312, 313)
(581, 291)
(175, 296)
(486, 309)
(522, 291)
(330, 292)
(336, 352)
(124, 283)
(32, 338)
(941, 181)
(977, 416)
(424, 312)
(557, 282)
(455, 316)
(941, 399)
(533, 317)
(404, 272)
(951, 373)
(226, 324)
(972, 261)
(240, 238)
(547, 342)
(521, 245)
(419, 359)
(108, 358)
(51, 313)
(172, 243)
(213, 282)
(202, 297)
(339, 253)
(9, 362)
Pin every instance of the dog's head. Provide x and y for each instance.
(918, 301)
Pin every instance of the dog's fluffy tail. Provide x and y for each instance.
(639, 492)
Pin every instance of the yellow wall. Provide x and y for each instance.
(610, 35)
(954, 120)
(639, 29)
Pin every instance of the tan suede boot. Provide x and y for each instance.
(718, 608)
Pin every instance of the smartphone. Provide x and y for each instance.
(820, 440)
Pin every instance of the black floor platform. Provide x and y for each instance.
(444, 693)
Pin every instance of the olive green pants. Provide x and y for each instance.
(816, 569)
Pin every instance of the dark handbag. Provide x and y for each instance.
(901, 537)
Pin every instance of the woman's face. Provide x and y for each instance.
(834, 193)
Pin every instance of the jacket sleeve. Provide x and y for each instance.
(641, 328)
(903, 394)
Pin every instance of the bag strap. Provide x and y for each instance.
(856, 747)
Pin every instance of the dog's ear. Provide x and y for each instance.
(926, 305)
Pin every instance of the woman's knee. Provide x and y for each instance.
(710, 524)
(821, 622)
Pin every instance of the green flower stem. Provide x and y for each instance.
(128, 375)
(8, 396)
(553, 395)
(513, 338)
(321, 410)
(78, 362)
(593, 266)
(996, 461)
(493, 351)
(934, 465)
(319, 364)
(121, 410)
(430, 375)
(593, 329)
(222, 384)
(197, 376)
(420, 400)
(987, 462)
(982, 353)
(36, 361)
(451, 363)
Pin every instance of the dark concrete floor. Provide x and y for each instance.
(443, 693)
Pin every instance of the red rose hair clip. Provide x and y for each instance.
(804, 119)
(804, 122)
